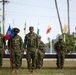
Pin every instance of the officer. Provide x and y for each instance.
(31, 47)
(60, 49)
(2, 48)
(15, 47)
(41, 53)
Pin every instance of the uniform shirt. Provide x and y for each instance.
(31, 40)
(16, 43)
(60, 46)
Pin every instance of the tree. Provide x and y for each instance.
(70, 43)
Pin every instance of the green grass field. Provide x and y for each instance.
(49, 68)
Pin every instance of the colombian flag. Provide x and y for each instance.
(49, 29)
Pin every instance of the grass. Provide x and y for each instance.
(49, 68)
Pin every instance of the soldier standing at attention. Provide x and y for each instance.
(2, 48)
(60, 49)
(31, 47)
(15, 46)
(41, 53)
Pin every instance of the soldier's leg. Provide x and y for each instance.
(18, 62)
(40, 59)
(1, 56)
(58, 60)
(33, 55)
(37, 60)
(18, 58)
(29, 63)
(13, 65)
(62, 60)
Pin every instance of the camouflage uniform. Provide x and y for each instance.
(31, 44)
(15, 46)
(41, 53)
(60, 49)
(2, 48)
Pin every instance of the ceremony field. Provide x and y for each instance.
(49, 68)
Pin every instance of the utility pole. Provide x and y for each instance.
(68, 16)
(3, 16)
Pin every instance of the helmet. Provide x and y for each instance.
(60, 37)
(15, 30)
(31, 27)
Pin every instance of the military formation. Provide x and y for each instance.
(35, 50)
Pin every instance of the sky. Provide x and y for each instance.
(17, 12)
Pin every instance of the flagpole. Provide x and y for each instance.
(50, 46)
(50, 40)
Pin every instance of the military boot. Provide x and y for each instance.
(17, 70)
(13, 71)
(30, 70)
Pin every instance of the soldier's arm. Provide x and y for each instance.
(37, 44)
(4, 42)
(43, 47)
(21, 45)
(56, 47)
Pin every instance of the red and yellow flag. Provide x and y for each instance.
(49, 29)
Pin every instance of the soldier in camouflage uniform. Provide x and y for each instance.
(60, 49)
(15, 47)
(41, 53)
(31, 47)
(2, 48)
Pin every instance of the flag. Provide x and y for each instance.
(49, 29)
(0, 26)
(25, 28)
(64, 29)
(9, 33)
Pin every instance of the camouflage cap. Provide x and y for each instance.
(31, 27)
(15, 30)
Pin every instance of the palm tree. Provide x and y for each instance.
(58, 16)
(68, 17)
